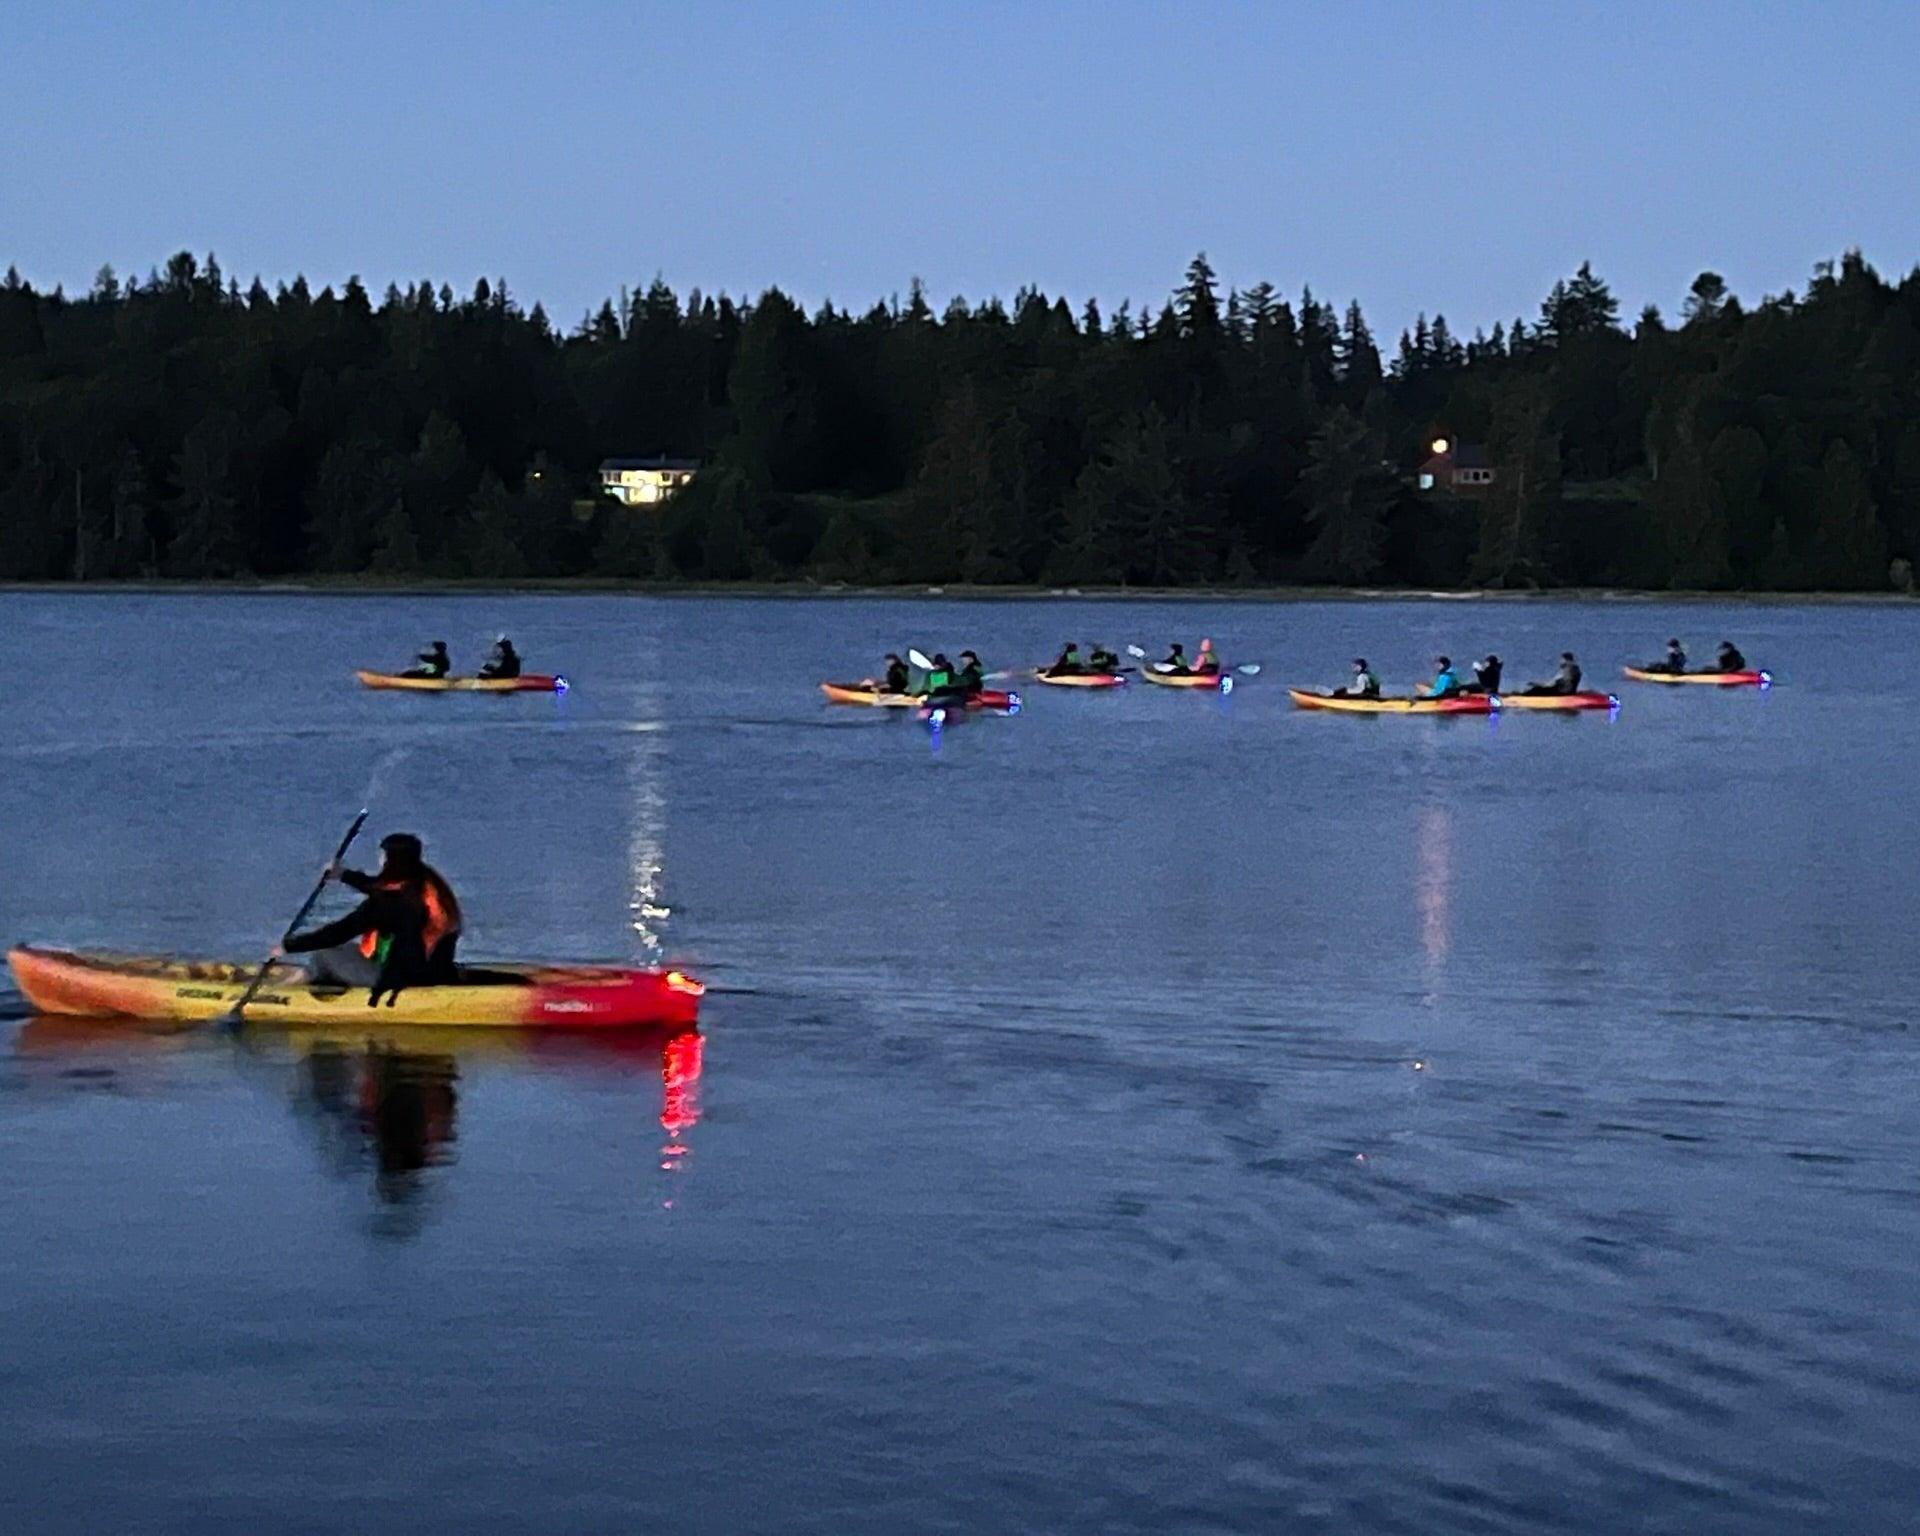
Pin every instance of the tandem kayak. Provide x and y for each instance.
(97, 985)
(1465, 704)
(1712, 679)
(1080, 679)
(528, 682)
(1216, 680)
(1560, 701)
(863, 693)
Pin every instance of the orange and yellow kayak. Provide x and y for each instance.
(1711, 679)
(158, 987)
(866, 693)
(1461, 704)
(1219, 680)
(1560, 701)
(1079, 679)
(530, 682)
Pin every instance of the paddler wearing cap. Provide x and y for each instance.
(402, 934)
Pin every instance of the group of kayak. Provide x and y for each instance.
(1483, 692)
(502, 672)
(933, 684)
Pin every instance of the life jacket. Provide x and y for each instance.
(442, 915)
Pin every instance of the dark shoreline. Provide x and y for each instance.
(591, 586)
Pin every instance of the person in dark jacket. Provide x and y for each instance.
(1103, 660)
(1486, 675)
(898, 677)
(1674, 662)
(1729, 659)
(970, 680)
(1068, 662)
(505, 660)
(403, 933)
(1566, 680)
(434, 662)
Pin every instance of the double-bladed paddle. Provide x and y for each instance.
(1245, 669)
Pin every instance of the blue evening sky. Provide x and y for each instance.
(1450, 157)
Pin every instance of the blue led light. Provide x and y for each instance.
(1766, 680)
(1226, 683)
(561, 685)
(1493, 703)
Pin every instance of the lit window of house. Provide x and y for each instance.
(645, 482)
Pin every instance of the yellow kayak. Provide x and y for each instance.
(1711, 679)
(1079, 679)
(1559, 701)
(866, 693)
(1215, 680)
(1465, 704)
(159, 987)
(528, 682)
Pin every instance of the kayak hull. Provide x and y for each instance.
(1710, 679)
(1558, 701)
(1080, 679)
(1468, 704)
(860, 693)
(1208, 680)
(160, 988)
(530, 682)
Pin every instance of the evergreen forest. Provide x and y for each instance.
(182, 426)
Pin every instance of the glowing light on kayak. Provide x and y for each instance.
(1226, 683)
(561, 685)
(1766, 680)
(1013, 703)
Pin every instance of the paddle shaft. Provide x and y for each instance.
(260, 976)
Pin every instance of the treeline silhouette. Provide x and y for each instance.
(181, 426)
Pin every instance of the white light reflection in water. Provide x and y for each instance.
(647, 907)
(1433, 891)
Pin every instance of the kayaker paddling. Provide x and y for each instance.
(505, 660)
(1363, 684)
(1446, 682)
(1176, 661)
(403, 934)
(1206, 664)
(1674, 662)
(1566, 680)
(1486, 675)
(1103, 660)
(1068, 662)
(897, 677)
(434, 662)
(1729, 659)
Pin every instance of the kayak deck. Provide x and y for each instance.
(861, 693)
(1748, 679)
(527, 682)
(1466, 704)
(1559, 701)
(100, 985)
(1079, 679)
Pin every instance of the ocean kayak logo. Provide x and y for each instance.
(568, 1005)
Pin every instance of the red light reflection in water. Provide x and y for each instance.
(680, 1100)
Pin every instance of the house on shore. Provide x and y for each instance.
(645, 482)
(1462, 469)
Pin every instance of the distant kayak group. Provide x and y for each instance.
(1483, 692)
(933, 684)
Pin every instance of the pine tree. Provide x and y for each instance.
(206, 539)
(1349, 497)
(1849, 549)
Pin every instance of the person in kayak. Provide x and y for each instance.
(1729, 659)
(1675, 661)
(1067, 663)
(1176, 661)
(969, 680)
(897, 677)
(1207, 663)
(1364, 684)
(403, 933)
(1446, 681)
(939, 675)
(1486, 676)
(505, 660)
(1103, 660)
(434, 662)
(1566, 680)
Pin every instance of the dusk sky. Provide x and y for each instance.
(1453, 158)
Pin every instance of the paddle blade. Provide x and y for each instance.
(1249, 669)
(1136, 653)
(919, 661)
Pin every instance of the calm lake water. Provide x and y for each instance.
(1152, 1112)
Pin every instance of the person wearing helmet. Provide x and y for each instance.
(403, 933)
(1364, 685)
(1207, 663)
(434, 662)
(505, 660)
(1068, 662)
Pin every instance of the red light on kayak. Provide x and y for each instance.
(679, 981)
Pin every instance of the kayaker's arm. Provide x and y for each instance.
(354, 880)
(364, 918)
